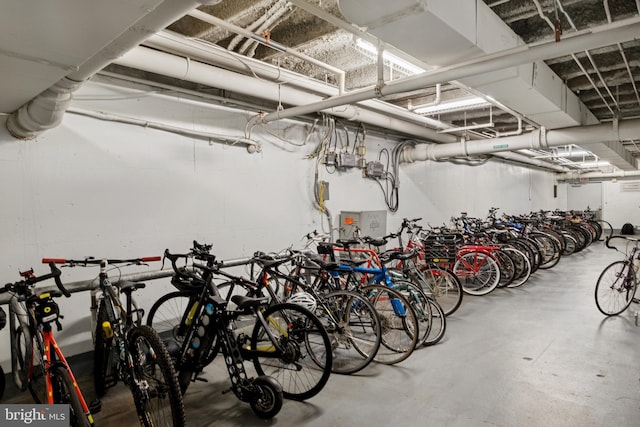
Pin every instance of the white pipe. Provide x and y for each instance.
(270, 43)
(181, 68)
(215, 55)
(597, 37)
(538, 139)
(250, 145)
(46, 110)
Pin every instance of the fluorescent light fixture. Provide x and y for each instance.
(455, 105)
(593, 164)
(389, 57)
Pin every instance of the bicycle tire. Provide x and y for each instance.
(161, 403)
(480, 282)
(400, 329)
(168, 315)
(270, 401)
(444, 287)
(304, 369)
(507, 268)
(613, 291)
(64, 392)
(438, 323)
(418, 301)
(3, 383)
(105, 362)
(523, 265)
(354, 330)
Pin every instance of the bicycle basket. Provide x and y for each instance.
(441, 248)
(47, 309)
(3, 318)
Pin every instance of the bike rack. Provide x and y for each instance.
(88, 285)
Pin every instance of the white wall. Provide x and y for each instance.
(621, 206)
(105, 189)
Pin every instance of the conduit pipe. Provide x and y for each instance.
(537, 139)
(151, 60)
(217, 56)
(270, 43)
(597, 37)
(251, 146)
(46, 110)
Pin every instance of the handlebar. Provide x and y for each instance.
(29, 281)
(97, 261)
(608, 239)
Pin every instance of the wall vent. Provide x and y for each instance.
(630, 186)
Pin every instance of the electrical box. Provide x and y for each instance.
(330, 159)
(346, 160)
(374, 170)
(367, 223)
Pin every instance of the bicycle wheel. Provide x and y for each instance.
(418, 301)
(616, 288)
(155, 387)
(304, 368)
(444, 286)
(105, 359)
(21, 351)
(354, 330)
(438, 323)
(64, 392)
(400, 329)
(478, 272)
(507, 268)
(523, 267)
(172, 314)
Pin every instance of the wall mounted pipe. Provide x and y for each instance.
(537, 139)
(215, 55)
(46, 110)
(597, 37)
(151, 60)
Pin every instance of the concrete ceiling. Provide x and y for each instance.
(586, 87)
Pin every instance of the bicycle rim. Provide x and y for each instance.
(400, 329)
(615, 288)
(155, 387)
(304, 367)
(354, 330)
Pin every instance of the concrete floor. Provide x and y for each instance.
(539, 355)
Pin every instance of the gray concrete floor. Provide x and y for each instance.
(539, 355)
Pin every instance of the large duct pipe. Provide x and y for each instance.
(182, 68)
(537, 139)
(46, 110)
(605, 35)
(215, 55)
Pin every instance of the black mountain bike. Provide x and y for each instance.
(288, 345)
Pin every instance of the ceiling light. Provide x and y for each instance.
(593, 164)
(400, 63)
(454, 105)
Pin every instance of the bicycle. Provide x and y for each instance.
(37, 361)
(617, 284)
(289, 347)
(127, 351)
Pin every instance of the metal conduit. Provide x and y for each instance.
(597, 37)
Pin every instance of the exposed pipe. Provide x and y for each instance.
(340, 74)
(220, 57)
(151, 60)
(46, 110)
(593, 64)
(357, 32)
(538, 139)
(250, 145)
(621, 50)
(597, 37)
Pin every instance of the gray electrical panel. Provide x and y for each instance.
(367, 223)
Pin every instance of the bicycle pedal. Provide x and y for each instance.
(95, 406)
